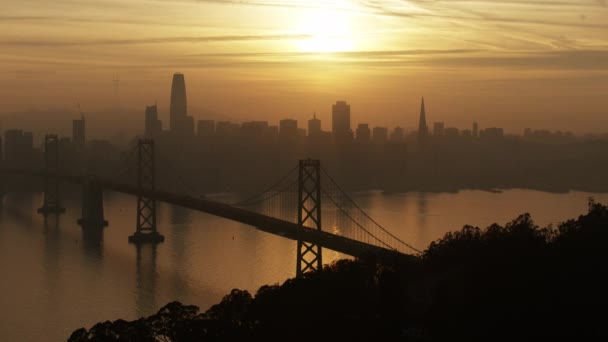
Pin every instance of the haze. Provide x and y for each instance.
(511, 64)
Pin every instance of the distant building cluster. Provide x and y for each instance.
(17, 146)
(226, 144)
(182, 126)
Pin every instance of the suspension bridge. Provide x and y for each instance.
(306, 205)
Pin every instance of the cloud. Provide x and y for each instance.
(137, 41)
(22, 18)
(562, 60)
(91, 20)
(368, 54)
(461, 11)
(589, 60)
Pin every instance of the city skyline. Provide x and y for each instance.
(487, 61)
(180, 124)
(196, 170)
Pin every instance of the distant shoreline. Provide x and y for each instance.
(490, 190)
(440, 191)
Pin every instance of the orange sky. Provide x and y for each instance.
(508, 63)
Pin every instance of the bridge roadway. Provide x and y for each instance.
(261, 222)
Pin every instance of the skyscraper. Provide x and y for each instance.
(340, 121)
(398, 134)
(475, 130)
(380, 135)
(180, 123)
(438, 129)
(363, 133)
(205, 128)
(288, 128)
(78, 133)
(153, 126)
(314, 126)
(423, 130)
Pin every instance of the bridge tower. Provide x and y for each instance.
(51, 203)
(309, 256)
(92, 219)
(146, 206)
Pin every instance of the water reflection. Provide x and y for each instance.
(20, 205)
(146, 278)
(421, 217)
(92, 243)
(179, 215)
(51, 258)
(180, 234)
(63, 278)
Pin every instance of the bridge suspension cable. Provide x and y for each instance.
(365, 216)
(354, 221)
(250, 200)
(349, 219)
(272, 195)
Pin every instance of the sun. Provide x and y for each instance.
(328, 31)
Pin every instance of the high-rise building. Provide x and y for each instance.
(189, 126)
(254, 129)
(179, 104)
(78, 133)
(452, 132)
(492, 133)
(380, 135)
(398, 134)
(288, 128)
(153, 126)
(205, 128)
(180, 123)
(314, 126)
(272, 131)
(438, 129)
(227, 129)
(475, 130)
(340, 121)
(423, 130)
(363, 133)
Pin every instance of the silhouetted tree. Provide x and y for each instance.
(514, 282)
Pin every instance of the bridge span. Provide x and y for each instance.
(258, 221)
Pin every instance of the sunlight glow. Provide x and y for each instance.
(330, 31)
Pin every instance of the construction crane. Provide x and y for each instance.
(80, 111)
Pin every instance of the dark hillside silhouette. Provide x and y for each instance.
(519, 281)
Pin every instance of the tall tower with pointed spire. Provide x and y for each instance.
(423, 130)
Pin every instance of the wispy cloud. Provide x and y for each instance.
(94, 20)
(554, 60)
(368, 54)
(590, 60)
(137, 41)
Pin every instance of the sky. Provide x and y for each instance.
(507, 63)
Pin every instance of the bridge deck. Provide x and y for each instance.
(262, 222)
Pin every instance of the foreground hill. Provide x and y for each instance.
(517, 281)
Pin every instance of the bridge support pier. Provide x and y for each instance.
(309, 258)
(92, 207)
(50, 204)
(145, 230)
